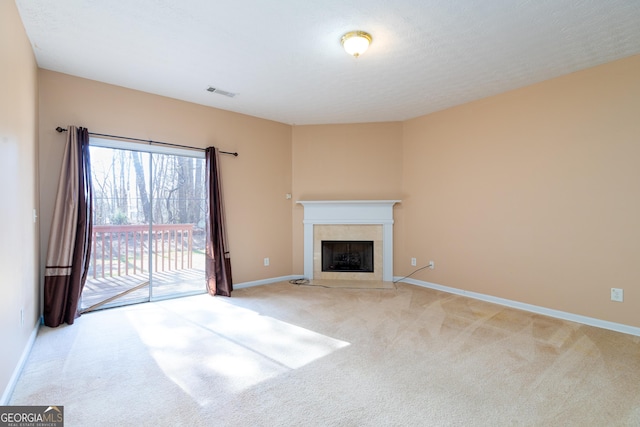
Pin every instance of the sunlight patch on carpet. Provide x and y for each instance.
(200, 343)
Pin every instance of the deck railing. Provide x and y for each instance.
(123, 250)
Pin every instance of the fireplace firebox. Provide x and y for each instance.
(354, 256)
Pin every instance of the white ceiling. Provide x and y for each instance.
(284, 59)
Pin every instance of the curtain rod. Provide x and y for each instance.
(59, 129)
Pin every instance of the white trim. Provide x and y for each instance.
(351, 202)
(8, 391)
(264, 281)
(604, 324)
(348, 221)
(145, 148)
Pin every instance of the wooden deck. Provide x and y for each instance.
(165, 284)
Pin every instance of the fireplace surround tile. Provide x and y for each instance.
(347, 232)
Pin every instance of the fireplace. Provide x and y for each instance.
(348, 220)
(353, 256)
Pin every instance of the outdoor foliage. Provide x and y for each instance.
(137, 188)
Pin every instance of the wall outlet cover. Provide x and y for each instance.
(617, 294)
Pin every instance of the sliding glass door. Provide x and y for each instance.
(148, 235)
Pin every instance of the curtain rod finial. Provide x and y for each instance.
(59, 129)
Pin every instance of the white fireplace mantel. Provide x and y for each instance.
(349, 212)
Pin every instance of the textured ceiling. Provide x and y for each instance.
(284, 59)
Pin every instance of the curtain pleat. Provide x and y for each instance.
(69, 246)
(218, 260)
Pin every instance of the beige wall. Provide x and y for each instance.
(533, 195)
(254, 183)
(343, 162)
(18, 191)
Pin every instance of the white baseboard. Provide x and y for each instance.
(264, 281)
(8, 391)
(618, 327)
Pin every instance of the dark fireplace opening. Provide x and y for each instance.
(354, 256)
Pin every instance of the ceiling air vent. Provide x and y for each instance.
(221, 92)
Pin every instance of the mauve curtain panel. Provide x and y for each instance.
(218, 261)
(70, 237)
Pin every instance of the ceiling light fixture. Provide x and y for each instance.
(356, 42)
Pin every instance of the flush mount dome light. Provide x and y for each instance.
(356, 42)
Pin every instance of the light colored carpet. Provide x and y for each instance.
(287, 355)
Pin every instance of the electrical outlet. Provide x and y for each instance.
(617, 294)
(413, 262)
(432, 265)
(266, 262)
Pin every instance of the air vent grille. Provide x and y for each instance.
(220, 92)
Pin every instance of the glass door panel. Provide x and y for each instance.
(178, 235)
(119, 266)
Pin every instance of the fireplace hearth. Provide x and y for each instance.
(351, 256)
